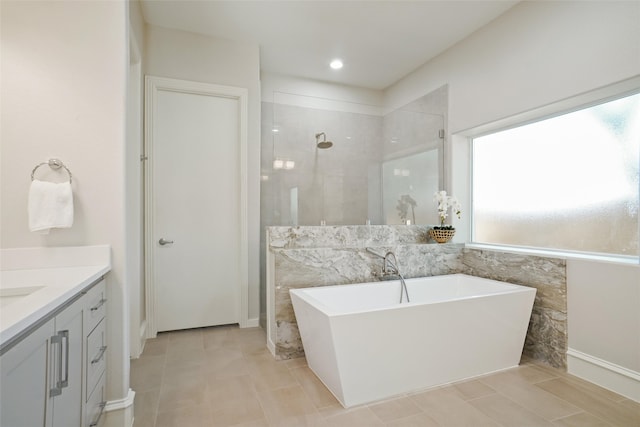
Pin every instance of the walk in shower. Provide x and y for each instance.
(381, 167)
(329, 162)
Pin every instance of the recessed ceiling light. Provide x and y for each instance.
(336, 64)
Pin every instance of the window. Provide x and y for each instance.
(565, 183)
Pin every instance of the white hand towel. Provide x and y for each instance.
(50, 206)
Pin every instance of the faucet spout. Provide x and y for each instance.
(390, 267)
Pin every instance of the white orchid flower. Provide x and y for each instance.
(445, 203)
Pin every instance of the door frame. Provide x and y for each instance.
(153, 85)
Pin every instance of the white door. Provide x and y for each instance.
(196, 232)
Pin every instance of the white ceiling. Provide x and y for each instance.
(379, 41)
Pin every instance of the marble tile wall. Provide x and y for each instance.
(334, 255)
(547, 335)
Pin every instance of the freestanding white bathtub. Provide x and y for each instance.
(365, 346)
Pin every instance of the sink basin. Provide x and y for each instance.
(10, 295)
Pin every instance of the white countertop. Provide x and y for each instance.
(34, 282)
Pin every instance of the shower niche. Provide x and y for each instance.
(329, 162)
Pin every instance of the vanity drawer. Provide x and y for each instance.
(95, 405)
(96, 306)
(96, 356)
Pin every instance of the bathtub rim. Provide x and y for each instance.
(306, 294)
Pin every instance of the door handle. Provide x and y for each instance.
(164, 242)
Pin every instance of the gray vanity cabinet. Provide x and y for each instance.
(48, 378)
(67, 406)
(41, 381)
(24, 381)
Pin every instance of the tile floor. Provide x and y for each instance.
(225, 376)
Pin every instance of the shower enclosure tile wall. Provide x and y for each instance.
(331, 184)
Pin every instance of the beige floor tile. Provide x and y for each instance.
(306, 420)
(218, 338)
(593, 388)
(194, 416)
(186, 340)
(145, 406)
(517, 388)
(222, 390)
(269, 374)
(594, 403)
(183, 392)
(336, 409)
(395, 409)
(162, 336)
(582, 419)
(225, 376)
(447, 409)
(255, 423)
(179, 355)
(238, 411)
(418, 420)
(316, 391)
(535, 373)
(360, 417)
(506, 412)
(146, 373)
(472, 389)
(143, 422)
(191, 365)
(252, 343)
(295, 363)
(629, 404)
(155, 347)
(224, 363)
(284, 404)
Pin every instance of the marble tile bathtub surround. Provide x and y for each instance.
(346, 236)
(335, 255)
(547, 335)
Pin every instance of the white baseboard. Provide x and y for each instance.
(119, 413)
(137, 347)
(271, 346)
(143, 335)
(605, 374)
(252, 323)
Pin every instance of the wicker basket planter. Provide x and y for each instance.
(442, 236)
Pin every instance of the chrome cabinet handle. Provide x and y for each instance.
(64, 335)
(100, 355)
(163, 242)
(97, 421)
(57, 370)
(100, 304)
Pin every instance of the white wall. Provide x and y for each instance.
(604, 324)
(310, 93)
(63, 84)
(535, 54)
(187, 56)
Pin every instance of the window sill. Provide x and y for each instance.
(548, 253)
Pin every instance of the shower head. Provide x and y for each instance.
(324, 143)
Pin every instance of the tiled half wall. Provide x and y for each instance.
(300, 257)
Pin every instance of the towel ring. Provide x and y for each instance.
(54, 164)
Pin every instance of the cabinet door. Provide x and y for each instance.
(67, 407)
(24, 389)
